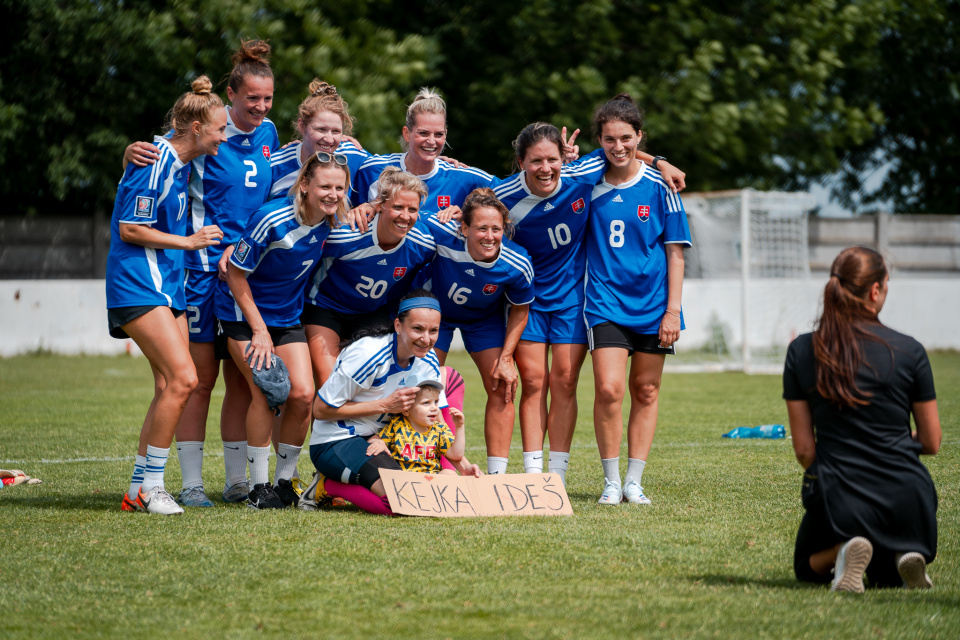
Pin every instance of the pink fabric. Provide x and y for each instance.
(454, 391)
(362, 497)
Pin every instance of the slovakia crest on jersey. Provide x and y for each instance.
(266, 152)
(490, 289)
(242, 250)
(643, 212)
(578, 206)
(399, 272)
(443, 201)
(144, 207)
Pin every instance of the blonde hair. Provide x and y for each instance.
(251, 59)
(427, 101)
(306, 174)
(323, 97)
(196, 105)
(393, 180)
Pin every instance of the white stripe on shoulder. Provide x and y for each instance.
(274, 220)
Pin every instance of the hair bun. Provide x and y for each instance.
(320, 88)
(201, 86)
(255, 50)
(624, 96)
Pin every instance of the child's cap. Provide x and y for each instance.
(415, 381)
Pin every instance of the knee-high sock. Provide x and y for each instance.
(454, 391)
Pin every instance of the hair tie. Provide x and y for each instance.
(837, 276)
(419, 303)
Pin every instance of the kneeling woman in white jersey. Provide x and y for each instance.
(368, 384)
(635, 239)
(145, 296)
(267, 274)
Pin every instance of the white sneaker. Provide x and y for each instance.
(611, 493)
(913, 571)
(852, 561)
(633, 493)
(158, 501)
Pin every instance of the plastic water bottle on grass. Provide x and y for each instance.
(771, 431)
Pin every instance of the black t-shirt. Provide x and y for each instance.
(869, 474)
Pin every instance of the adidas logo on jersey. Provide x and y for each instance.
(245, 143)
(313, 240)
(547, 207)
(383, 262)
(618, 198)
(469, 272)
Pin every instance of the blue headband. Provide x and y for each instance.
(419, 303)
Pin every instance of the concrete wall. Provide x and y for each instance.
(69, 316)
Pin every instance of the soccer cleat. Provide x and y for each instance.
(633, 493)
(127, 504)
(313, 495)
(236, 492)
(264, 497)
(158, 501)
(612, 494)
(288, 492)
(852, 561)
(194, 497)
(913, 570)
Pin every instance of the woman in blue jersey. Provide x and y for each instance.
(260, 314)
(363, 274)
(323, 124)
(636, 234)
(224, 190)
(145, 297)
(477, 275)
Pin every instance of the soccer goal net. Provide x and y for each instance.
(747, 289)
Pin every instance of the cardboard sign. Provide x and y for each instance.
(449, 496)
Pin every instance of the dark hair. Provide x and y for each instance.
(485, 197)
(251, 59)
(620, 108)
(533, 134)
(384, 327)
(838, 330)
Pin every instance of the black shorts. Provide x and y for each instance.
(608, 334)
(345, 325)
(241, 332)
(119, 316)
(347, 461)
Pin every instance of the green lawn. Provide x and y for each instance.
(712, 557)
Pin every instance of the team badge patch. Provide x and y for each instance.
(266, 152)
(242, 250)
(144, 207)
(399, 272)
(578, 206)
(643, 212)
(443, 201)
(490, 289)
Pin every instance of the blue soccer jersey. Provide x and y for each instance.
(469, 290)
(286, 164)
(446, 185)
(357, 276)
(367, 370)
(630, 224)
(155, 195)
(227, 188)
(552, 230)
(279, 254)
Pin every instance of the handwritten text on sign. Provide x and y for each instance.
(448, 496)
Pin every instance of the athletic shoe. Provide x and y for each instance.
(127, 504)
(236, 492)
(314, 494)
(633, 493)
(612, 494)
(264, 497)
(194, 497)
(287, 492)
(852, 561)
(913, 570)
(158, 501)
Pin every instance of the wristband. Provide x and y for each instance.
(676, 315)
(657, 159)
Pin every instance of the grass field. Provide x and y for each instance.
(712, 557)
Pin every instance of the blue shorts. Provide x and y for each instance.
(201, 319)
(481, 335)
(565, 326)
(347, 461)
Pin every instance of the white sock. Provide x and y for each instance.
(139, 465)
(559, 460)
(611, 469)
(235, 461)
(496, 465)
(156, 462)
(287, 456)
(259, 458)
(191, 463)
(533, 461)
(635, 470)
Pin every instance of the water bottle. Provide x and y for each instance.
(763, 431)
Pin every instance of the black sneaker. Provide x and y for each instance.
(264, 497)
(287, 493)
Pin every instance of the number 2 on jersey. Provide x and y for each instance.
(247, 182)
